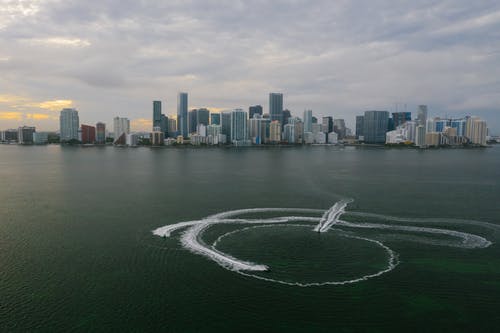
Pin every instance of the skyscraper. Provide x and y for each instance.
(202, 117)
(276, 107)
(121, 127)
(339, 128)
(225, 122)
(69, 124)
(182, 114)
(172, 127)
(192, 115)
(360, 120)
(100, 133)
(399, 118)
(286, 115)
(156, 114)
(239, 125)
(164, 125)
(215, 118)
(327, 124)
(375, 126)
(422, 115)
(253, 110)
(308, 121)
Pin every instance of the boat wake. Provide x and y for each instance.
(191, 238)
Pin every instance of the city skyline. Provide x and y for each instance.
(336, 59)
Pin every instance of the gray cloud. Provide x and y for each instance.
(338, 58)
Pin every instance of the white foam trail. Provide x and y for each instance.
(191, 238)
(468, 240)
(168, 229)
(232, 213)
(439, 220)
(331, 216)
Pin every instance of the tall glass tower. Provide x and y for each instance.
(276, 107)
(156, 114)
(375, 126)
(182, 114)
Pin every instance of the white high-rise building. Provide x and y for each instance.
(69, 124)
(239, 125)
(478, 132)
(120, 126)
(420, 136)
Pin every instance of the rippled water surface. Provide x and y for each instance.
(77, 250)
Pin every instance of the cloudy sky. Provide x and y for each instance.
(113, 57)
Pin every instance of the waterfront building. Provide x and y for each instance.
(432, 139)
(275, 132)
(420, 133)
(308, 138)
(239, 125)
(276, 107)
(320, 137)
(87, 134)
(339, 128)
(201, 130)
(289, 133)
(411, 128)
(293, 131)
(308, 120)
(10, 135)
(214, 130)
(333, 138)
(396, 136)
(100, 133)
(255, 129)
(121, 127)
(226, 124)
(253, 110)
(25, 135)
(375, 126)
(69, 124)
(157, 137)
(215, 119)
(327, 124)
(360, 123)
(182, 114)
(172, 127)
(40, 138)
(133, 139)
(157, 114)
(476, 131)
(421, 115)
(399, 118)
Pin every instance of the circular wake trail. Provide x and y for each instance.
(191, 239)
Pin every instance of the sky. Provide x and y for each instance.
(339, 58)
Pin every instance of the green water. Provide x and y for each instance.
(77, 252)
